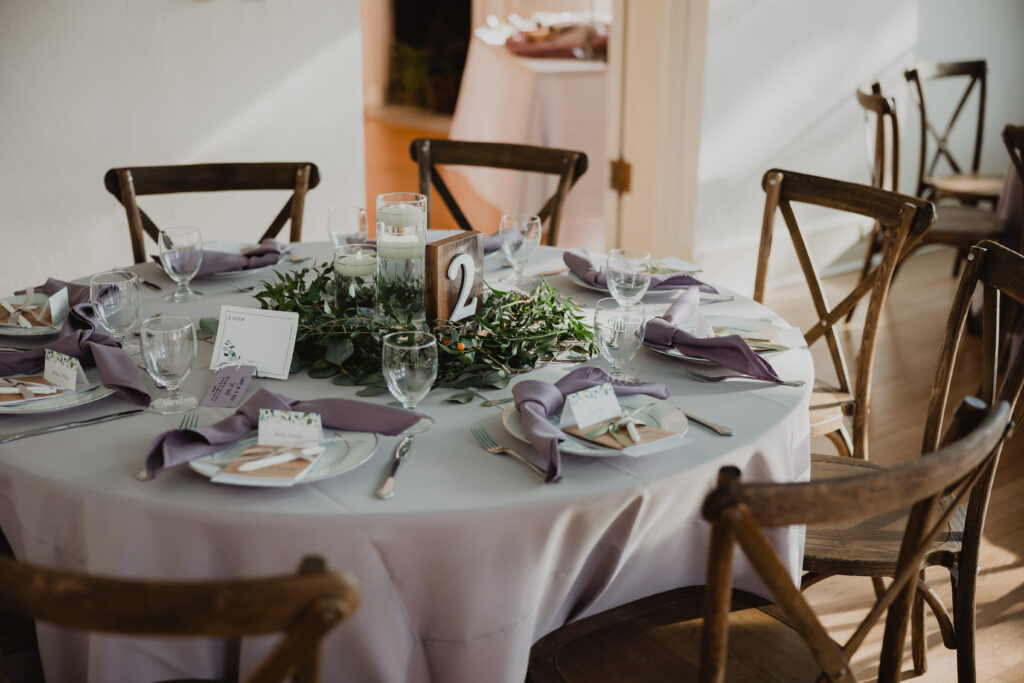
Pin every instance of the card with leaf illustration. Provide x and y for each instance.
(249, 336)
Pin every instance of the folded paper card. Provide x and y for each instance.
(251, 336)
(228, 386)
(63, 371)
(286, 427)
(590, 406)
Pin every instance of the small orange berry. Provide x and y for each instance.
(446, 341)
(460, 346)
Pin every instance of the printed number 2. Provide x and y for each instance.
(463, 309)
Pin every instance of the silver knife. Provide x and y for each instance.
(5, 438)
(387, 489)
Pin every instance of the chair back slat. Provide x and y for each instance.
(129, 183)
(885, 142)
(902, 222)
(742, 511)
(568, 165)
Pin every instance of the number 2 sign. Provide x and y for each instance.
(454, 277)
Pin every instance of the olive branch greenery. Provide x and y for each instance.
(512, 332)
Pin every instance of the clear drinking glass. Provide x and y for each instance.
(116, 297)
(169, 350)
(619, 332)
(520, 237)
(628, 272)
(355, 279)
(346, 225)
(409, 361)
(181, 253)
(401, 251)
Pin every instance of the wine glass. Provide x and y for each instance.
(116, 297)
(346, 225)
(628, 273)
(169, 350)
(409, 361)
(520, 237)
(619, 332)
(181, 253)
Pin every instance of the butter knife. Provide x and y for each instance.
(387, 489)
(6, 438)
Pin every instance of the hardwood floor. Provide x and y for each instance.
(908, 347)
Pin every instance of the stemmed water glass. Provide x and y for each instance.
(346, 225)
(116, 297)
(628, 273)
(520, 237)
(619, 332)
(181, 253)
(169, 350)
(409, 361)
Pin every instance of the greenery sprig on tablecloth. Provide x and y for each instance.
(513, 332)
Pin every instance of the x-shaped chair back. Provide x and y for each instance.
(975, 72)
(903, 222)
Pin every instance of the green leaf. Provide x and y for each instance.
(464, 397)
(323, 373)
(339, 351)
(343, 381)
(372, 390)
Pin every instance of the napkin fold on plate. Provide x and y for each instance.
(267, 253)
(579, 262)
(732, 352)
(178, 446)
(77, 294)
(537, 400)
(81, 337)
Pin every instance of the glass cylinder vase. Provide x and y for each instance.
(355, 279)
(401, 247)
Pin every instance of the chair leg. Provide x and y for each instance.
(964, 597)
(840, 438)
(918, 647)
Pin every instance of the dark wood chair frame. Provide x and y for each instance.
(739, 512)
(976, 72)
(902, 221)
(304, 606)
(568, 165)
(1000, 273)
(128, 183)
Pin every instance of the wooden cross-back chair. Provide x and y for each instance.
(568, 165)
(959, 226)
(127, 184)
(902, 222)
(303, 606)
(869, 549)
(656, 638)
(964, 183)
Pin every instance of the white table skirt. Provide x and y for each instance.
(546, 102)
(471, 562)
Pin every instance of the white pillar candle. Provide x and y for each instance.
(401, 215)
(356, 265)
(401, 246)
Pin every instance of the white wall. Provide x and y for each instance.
(86, 86)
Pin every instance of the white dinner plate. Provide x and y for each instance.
(50, 404)
(790, 336)
(38, 299)
(348, 453)
(237, 248)
(671, 420)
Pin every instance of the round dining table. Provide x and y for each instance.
(471, 561)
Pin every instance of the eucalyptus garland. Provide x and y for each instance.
(512, 332)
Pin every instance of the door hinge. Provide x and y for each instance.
(620, 173)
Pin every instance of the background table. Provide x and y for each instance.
(547, 102)
(471, 561)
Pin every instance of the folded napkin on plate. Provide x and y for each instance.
(730, 352)
(268, 253)
(178, 446)
(77, 294)
(537, 400)
(582, 267)
(81, 337)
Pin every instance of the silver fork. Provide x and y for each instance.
(492, 446)
(190, 420)
(721, 378)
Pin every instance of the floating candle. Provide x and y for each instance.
(401, 215)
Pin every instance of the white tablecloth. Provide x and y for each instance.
(471, 562)
(547, 102)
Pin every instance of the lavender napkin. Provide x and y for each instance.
(537, 400)
(77, 294)
(81, 337)
(582, 267)
(730, 352)
(492, 243)
(268, 253)
(178, 446)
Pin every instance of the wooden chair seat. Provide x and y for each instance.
(658, 639)
(869, 547)
(967, 186)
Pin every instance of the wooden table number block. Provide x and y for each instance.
(454, 277)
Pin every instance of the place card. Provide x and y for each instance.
(286, 427)
(251, 336)
(228, 386)
(593, 405)
(59, 306)
(63, 371)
